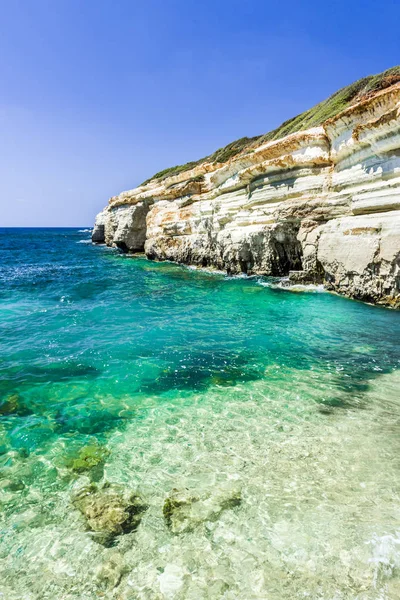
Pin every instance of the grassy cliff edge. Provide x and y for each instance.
(316, 115)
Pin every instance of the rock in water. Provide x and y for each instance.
(98, 229)
(89, 457)
(177, 508)
(125, 227)
(13, 405)
(183, 511)
(109, 510)
(109, 573)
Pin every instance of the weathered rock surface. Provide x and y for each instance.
(109, 510)
(183, 511)
(125, 227)
(323, 204)
(98, 236)
(90, 458)
(362, 253)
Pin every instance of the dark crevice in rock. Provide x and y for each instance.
(314, 276)
(122, 246)
(287, 251)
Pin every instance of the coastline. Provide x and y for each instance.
(319, 206)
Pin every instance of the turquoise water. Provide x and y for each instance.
(188, 380)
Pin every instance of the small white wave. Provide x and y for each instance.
(212, 271)
(199, 269)
(23, 271)
(84, 242)
(294, 287)
(84, 231)
(240, 276)
(299, 287)
(271, 283)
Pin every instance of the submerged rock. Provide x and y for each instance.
(16, 485)
(13, 405)
(201, 370)
(89, 458)
(183, 511)
(109, 573)
(177, 506)
(109, 510)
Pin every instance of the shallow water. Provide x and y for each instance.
(193, 381)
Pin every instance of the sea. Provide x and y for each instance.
(165, 381)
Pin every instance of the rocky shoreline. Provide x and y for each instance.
(320, 205)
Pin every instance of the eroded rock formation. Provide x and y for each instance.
(109, 510)
(322, 205)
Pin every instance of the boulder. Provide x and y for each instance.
(109, 510)
(90, 458)
(360, 256)
(183, 510)
(98, 236)
(125, 227)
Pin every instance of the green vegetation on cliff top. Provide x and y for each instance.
(316, 115)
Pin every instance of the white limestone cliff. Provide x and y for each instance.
(320, 205)
(98, 235)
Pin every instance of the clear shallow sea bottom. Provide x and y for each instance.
(208, 385)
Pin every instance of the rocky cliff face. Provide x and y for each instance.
(320, 205)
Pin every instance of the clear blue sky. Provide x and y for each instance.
(98, 95)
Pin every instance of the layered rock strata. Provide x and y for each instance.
(321, 205)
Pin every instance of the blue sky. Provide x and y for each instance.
(96, 96)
